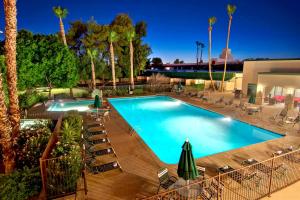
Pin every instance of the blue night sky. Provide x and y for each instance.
(260, 28)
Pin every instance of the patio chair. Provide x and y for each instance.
(201, 172)
(165, 181)
(215, 189)
(241, 178)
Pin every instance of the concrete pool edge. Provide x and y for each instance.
(198, 107)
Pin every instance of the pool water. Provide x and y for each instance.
(81, 106)
(164, 123)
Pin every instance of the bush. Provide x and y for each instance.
(30, 98)
(31, 145)
(20, 184)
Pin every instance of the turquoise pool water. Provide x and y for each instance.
(164, 123)
(80, 106)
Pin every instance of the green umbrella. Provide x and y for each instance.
(251, 99)
(186, 166)
(97, 102)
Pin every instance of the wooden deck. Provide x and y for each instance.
(138, 177)
(140, 164)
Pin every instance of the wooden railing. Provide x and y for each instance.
(247, 183)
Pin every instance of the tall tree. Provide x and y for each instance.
(211, 22)
(10, 125)
(61, 13)
(130, 35)
(93, 54)
(157, 61)
(230, 10)
(112, 38)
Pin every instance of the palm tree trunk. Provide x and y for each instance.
(226, 53)
(93, 74)
(11, 64)
(62, 31)
(112, 58)
(71, 92)
(5, 134)
(131, 66)
(209, 58)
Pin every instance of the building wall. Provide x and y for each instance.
(252, 68)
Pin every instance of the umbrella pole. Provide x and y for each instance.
(188, 188)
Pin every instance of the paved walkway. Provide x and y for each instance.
(290, 193)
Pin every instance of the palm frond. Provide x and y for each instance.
(60, 12)
(130, 35)
(231, 9)
(212, 20)
(92, 53)
(113, 36)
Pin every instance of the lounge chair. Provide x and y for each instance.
(239, 177)
(281, 116)
(93, 133)
(288, 157)
(220, 100)
(100, 152)
(293, 121)
(96, 141)
(95, 169)
(165, 181)
(229, 102)
(279, 169)
(93, 125)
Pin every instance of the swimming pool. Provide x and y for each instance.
(164, 123)
(81, 105)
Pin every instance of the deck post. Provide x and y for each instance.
(271, 176)
(43, 193)
(219, 185)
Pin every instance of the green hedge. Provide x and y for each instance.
(196, 75)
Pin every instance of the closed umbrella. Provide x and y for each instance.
(251, 99)
(186, 166)
(97, 103)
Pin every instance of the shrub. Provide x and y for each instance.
(20, 184)
(30, 98)
(67, 168)
(31, 145)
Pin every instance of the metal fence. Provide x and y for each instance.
(61, 176)
(247, 183)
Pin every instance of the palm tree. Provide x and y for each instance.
(112, 37)
(130, 36)
(61, 13)
(93, 54)
(211, 21)
(10, 121)
(5, 133)
(230, 10)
